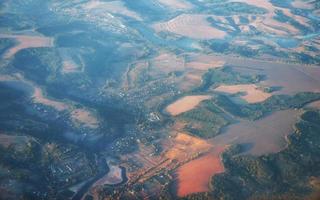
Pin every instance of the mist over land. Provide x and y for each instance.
(159, 99)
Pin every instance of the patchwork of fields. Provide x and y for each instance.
(155, 99)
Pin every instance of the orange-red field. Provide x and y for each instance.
(252, 93)
(195, 176)
(185, 104)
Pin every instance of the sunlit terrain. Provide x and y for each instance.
(159, 99)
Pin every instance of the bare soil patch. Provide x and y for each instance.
(191, 25)
(78, 116)
(315, 105)
(168, 62)
(115, 7)
(185, 104)
(263, 136)
(302, 4)
(179, 148)
(195, 176)
(176, 4)
(84, 117)
(202, 62)
(291, 78)
(268, 24)
(185, 146)
(252, 93)
(25, 41)
(39, 97)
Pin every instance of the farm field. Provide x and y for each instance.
(159, 99)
